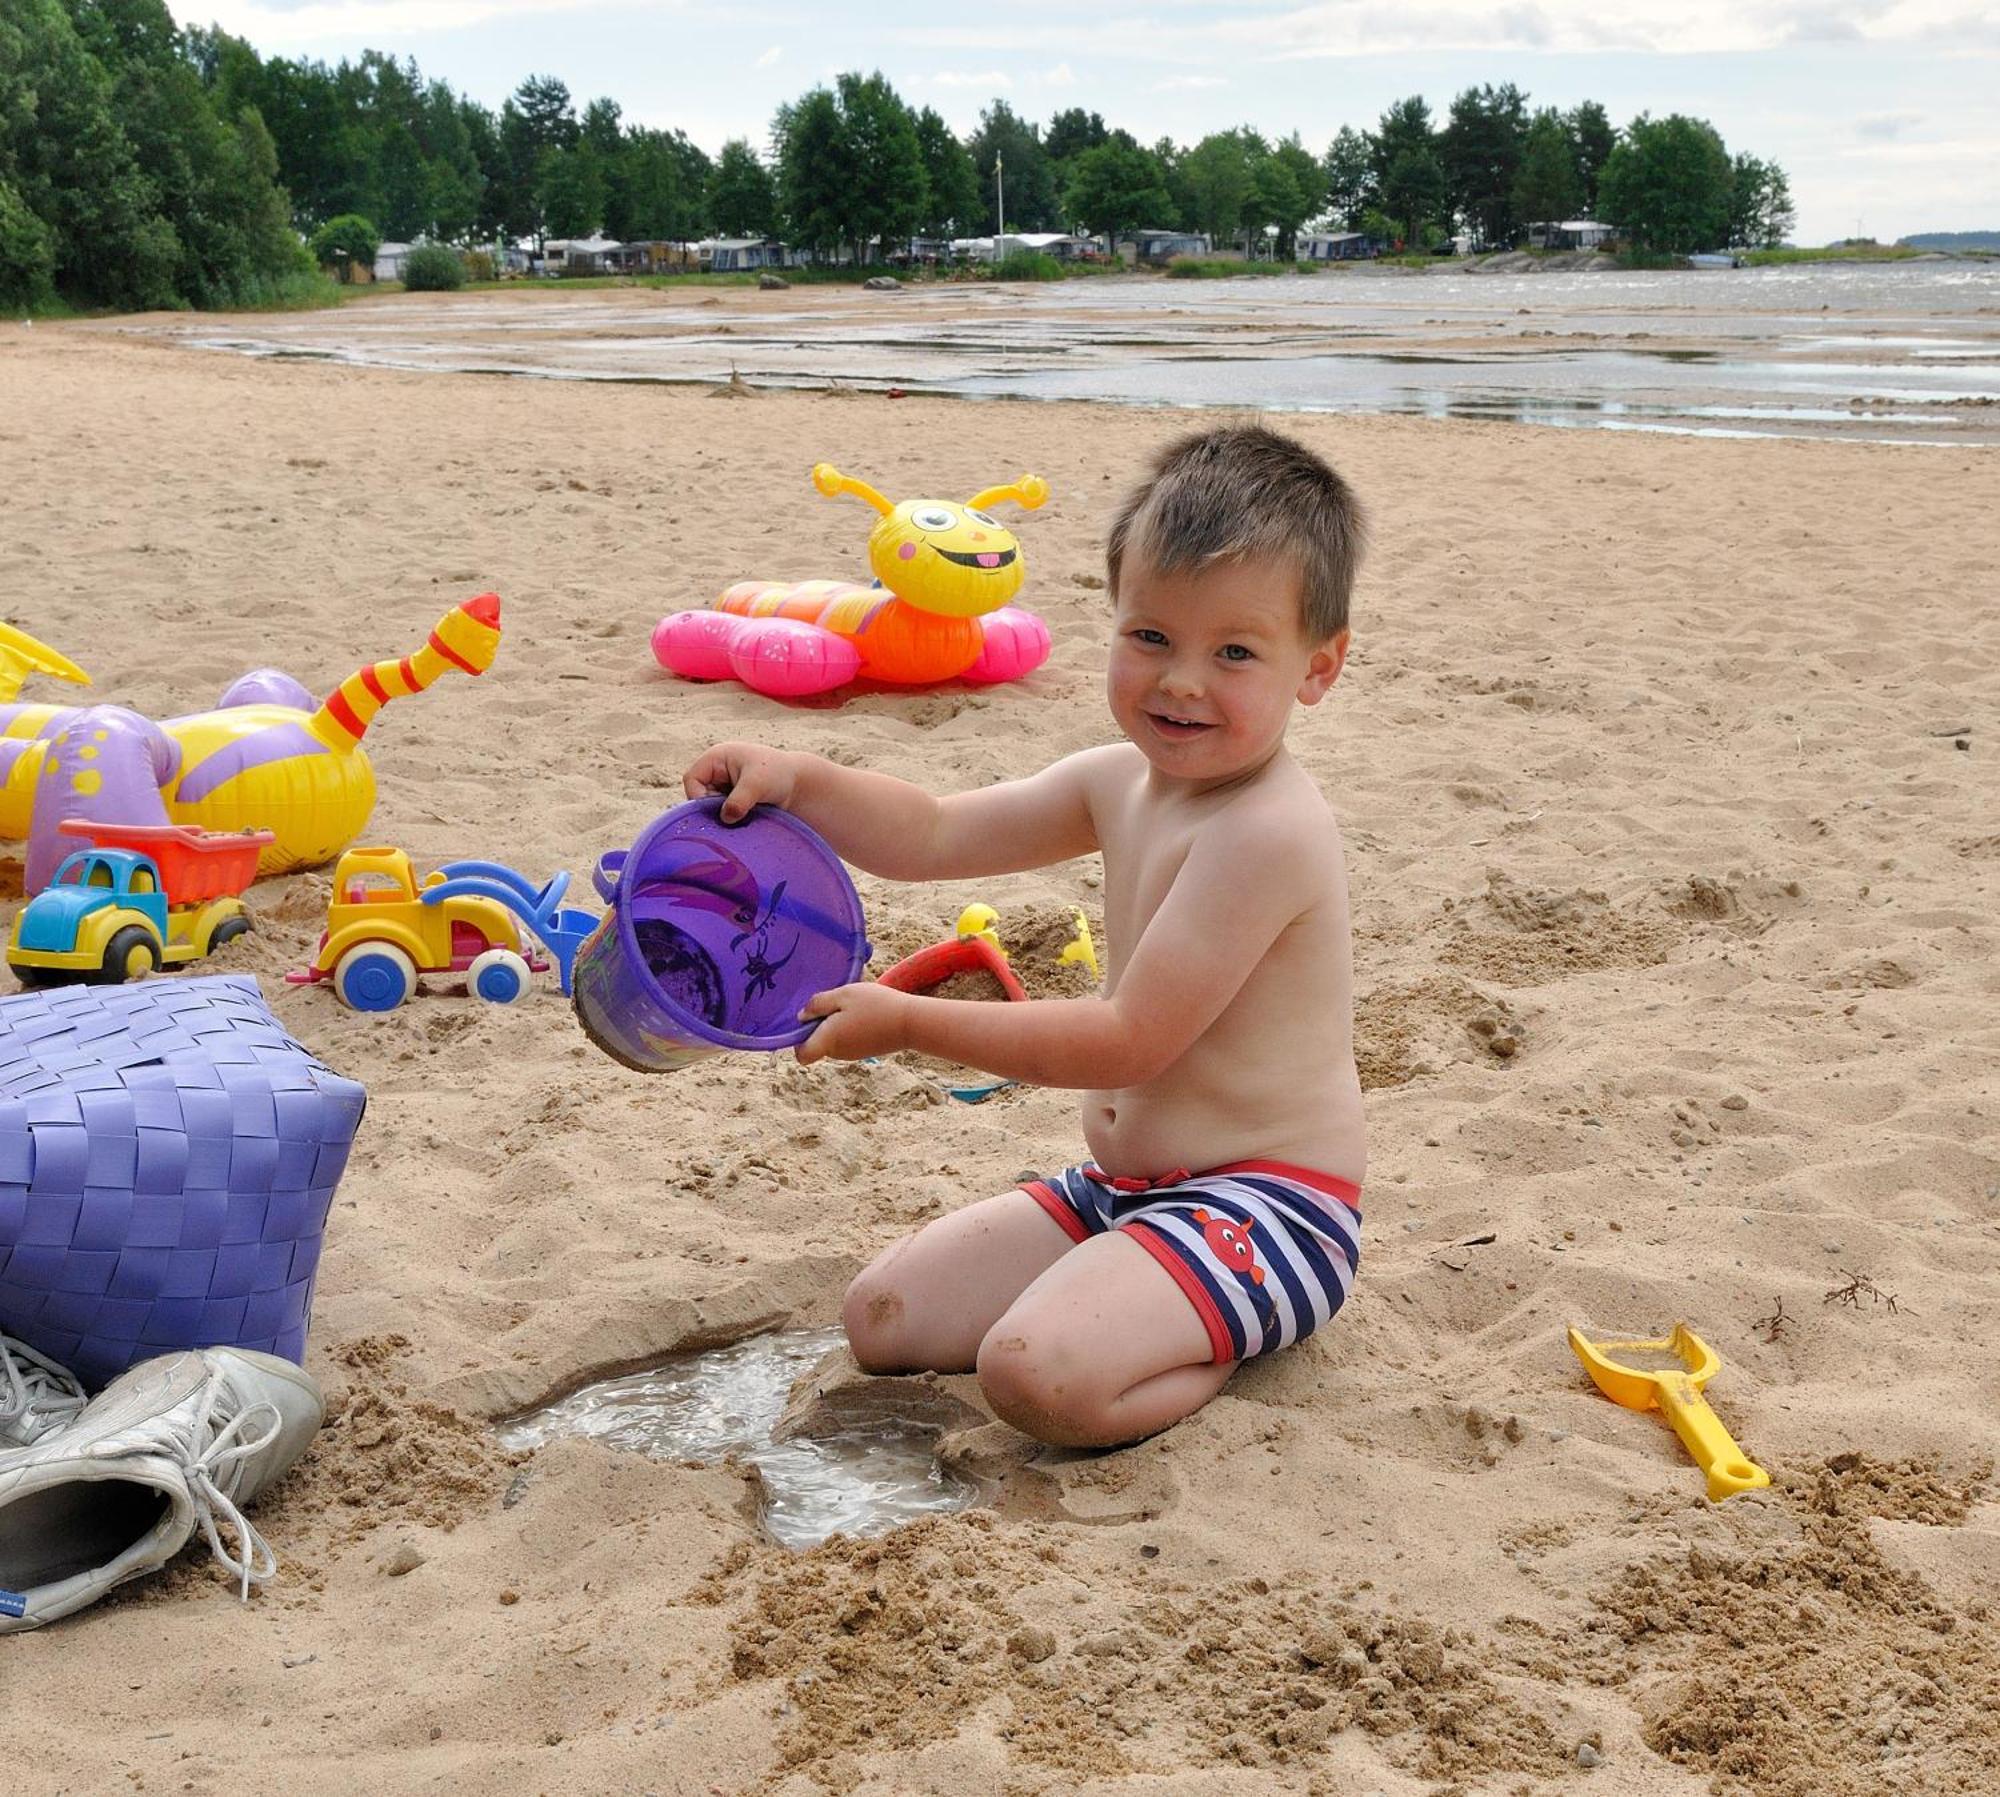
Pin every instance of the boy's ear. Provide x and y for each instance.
(1324, 669)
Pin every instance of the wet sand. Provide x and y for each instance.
(1664, 765)
(1904, 353)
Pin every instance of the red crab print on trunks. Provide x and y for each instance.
(1229, 1241)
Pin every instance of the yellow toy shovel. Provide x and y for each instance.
(1677, 1391)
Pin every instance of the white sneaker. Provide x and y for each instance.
(177, 1442)
(36, 1395)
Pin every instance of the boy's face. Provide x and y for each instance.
(1207, 663)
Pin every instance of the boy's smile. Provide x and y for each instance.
(1206, 664)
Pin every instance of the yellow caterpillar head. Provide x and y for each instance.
(938, 555)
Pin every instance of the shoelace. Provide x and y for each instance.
(38, 1386)
(206, 1471)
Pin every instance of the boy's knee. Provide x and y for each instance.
(1043, 1389)
(873, 1313)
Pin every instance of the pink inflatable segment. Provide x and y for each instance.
(1017, 643)
(780, 657)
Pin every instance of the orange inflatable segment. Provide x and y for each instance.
(911, 647)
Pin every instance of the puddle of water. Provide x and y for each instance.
(706, 1407)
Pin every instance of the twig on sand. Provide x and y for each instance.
(1860, 1286)
(1776, 1323)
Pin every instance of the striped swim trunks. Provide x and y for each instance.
(1265, 1252)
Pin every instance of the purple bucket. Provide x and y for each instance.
(716, 936)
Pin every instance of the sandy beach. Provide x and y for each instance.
(1660, 763)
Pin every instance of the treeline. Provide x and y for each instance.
(123, 181)
(145, 165)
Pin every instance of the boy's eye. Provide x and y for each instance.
(1156, 638)
(1235, 652)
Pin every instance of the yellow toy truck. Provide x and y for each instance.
(384, 928)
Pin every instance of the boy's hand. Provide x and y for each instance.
(746, 774)
(860, 1020)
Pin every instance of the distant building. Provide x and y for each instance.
(654, 256)
(733, 255)
(577, 255)
(1334, 246)
(1571, 234)
(389, 260)
(1154, 247)
(1060, 244)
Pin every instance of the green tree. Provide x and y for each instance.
(885, 163)
(742, 202)
(454, 182)
(27, 258)
(344, 241)
(544, 103)
(1115, 189)
(1760, 204)
(1405, 127)
(1547, 189)
(1350, 177)
(1592, 139)
(1173, 167)
(660, 195)
(951, 184)
(1481, 149)
(1667, 185)
(1070, 133)
(1413, 194)
(1005, 138)
(813, 180)
(1288, 187)
(570, 186)
(1219, 183)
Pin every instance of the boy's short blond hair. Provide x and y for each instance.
(1241, 492)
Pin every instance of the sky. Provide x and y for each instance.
(1871, 107)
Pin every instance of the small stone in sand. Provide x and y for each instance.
(402, 1558)
(1031, 1644)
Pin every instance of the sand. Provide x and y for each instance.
(1666, 772)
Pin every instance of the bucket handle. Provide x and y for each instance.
(604, 876)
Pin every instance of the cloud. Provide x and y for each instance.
(1174, 84)
(1696, 27)
(1062, 75)
(1881, 126)
(770, 56)
(971, 78)
(274, 25)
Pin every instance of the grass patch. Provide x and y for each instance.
(1027, 265)
(1218, 268)
(1832, 252)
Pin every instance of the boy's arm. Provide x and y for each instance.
(1240, 887)
(891, 828)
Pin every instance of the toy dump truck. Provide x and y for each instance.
(140, 897)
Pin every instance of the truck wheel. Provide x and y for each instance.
(374, 976)
(227, 931)
(130, 953)
(499, 976)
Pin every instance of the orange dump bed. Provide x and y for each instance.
(195, 865)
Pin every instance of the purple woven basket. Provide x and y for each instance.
(167, 1159)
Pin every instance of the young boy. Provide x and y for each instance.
(1109, 1301)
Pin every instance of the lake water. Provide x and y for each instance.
(1906, 352)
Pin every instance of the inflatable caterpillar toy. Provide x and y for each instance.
(944, 574)
(268, 758)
